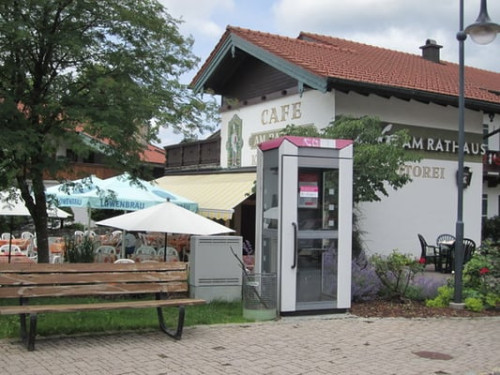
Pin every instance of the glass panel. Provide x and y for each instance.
(317, 272)
(270, 213)
(317, 246)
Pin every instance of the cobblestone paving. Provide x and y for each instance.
(340, 344)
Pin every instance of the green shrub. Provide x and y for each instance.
(490, 229)
(443, 299)
(395, 272)
(474, 304)
(481, 281)
(82, 252)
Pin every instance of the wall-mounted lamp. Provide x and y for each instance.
(466, 177)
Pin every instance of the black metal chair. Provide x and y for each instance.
(445, 243)
(469, 248)
(448, 238)
(429, 252)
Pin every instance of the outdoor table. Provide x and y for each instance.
(21, 242)
(18, 258)
(446, 254)
(58, 246)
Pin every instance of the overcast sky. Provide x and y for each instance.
(402, 25)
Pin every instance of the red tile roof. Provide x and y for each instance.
(154, 154)
(151, 154)
(335, 58)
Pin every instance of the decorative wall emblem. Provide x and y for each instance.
(234, 142)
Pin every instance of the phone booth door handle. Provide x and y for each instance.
(295, 245)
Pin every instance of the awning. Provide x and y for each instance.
(216, 194)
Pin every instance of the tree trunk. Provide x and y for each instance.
(38, 210)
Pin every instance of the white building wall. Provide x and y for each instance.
(493, 193)
(260, 121)
(428, 205)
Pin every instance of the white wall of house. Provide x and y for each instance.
(263, 121)
(492, 193)
(428, 205)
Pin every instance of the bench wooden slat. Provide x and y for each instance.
(33, 268)
(30, 281)
(36, 309)
(86, 290)
(90, 278)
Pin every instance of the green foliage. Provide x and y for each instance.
(490, 229)
(482, 274)
(75, 226)
(216, 312)
(395, 272)
(110, 68)
(82, 252)
(474, 304)
(481, 282)
(378, 157)
(443, 299)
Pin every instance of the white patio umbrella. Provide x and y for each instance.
(166, 218)
(16, 207)
(10, 206)
(124, 181)
(94, 193)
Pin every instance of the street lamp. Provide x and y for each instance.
(483, 31)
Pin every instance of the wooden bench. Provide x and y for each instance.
(29, 281)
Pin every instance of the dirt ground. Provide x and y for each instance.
(411, 309)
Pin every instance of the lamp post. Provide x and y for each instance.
(483, 31)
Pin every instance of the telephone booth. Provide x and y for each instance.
(304, 222)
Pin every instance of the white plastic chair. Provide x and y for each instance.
(7, 236)
(123, 260)
(116, 236)
(89, 233)
(172, 254)
(144, 252)
(78, 236)
(56, 259)
(3, 250)
(105, 254)
(14, 250)
(32, 254)
(27, 235)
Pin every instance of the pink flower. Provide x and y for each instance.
(484, 270)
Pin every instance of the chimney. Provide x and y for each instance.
(431, 50)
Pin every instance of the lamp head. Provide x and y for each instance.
(483, 31)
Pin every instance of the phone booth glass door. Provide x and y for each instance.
(316, 244)
(304, 213)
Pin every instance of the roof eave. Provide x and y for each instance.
(303, 76)
(411, 94)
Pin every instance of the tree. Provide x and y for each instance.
(377, 156)
(109, 69)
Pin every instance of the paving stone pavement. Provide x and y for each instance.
(335, 344)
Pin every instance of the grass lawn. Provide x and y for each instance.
(118, 320)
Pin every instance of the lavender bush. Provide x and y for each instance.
(365, 284)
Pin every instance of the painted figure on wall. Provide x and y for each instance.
(234, 142)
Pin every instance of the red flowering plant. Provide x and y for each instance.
(482, 275)
(484, 271)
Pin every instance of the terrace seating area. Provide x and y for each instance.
(442, 254)
(106, 247)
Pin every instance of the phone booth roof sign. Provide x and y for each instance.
(306, 142)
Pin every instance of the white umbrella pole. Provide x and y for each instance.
(165, 248)
(10, 237)
(89, 214)
(123, 254)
